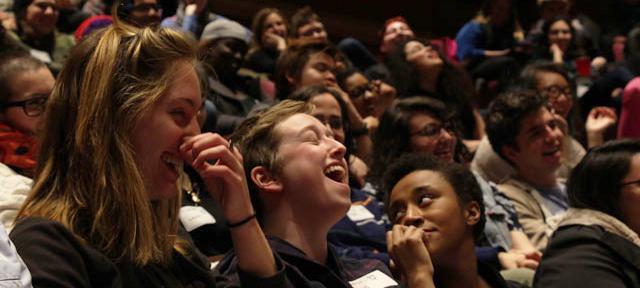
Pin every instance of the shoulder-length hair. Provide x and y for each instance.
(573, 51)
(306, 94)
(87, 177)
(393, 137)
(258, 26)
(453, 84)
(595, 183)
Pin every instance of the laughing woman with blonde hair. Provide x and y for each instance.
(103, 212)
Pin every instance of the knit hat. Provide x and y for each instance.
(92, 24)
(225, 28)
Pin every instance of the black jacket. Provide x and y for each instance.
(588, 256)
(56, 258)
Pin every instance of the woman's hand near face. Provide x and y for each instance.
(195, 7)
(598, 121)
(221, 168)
(556, 53)
(386, 94)
(408, 250)
(274, 41)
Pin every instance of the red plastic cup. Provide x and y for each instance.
(583, 65)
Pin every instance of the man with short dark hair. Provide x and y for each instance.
(525, 133)
(306, 24)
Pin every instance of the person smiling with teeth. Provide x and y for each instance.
(525, 133)
(299, 187)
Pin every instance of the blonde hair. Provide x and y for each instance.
(87, 177)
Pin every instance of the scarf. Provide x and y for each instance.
(18, 150)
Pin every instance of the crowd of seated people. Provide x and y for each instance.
(147, 143)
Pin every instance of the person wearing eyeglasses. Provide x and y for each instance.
(25, 85)
(306, 24)
(421, 124)
(417, 68)
(141, 13)
(367, 96)
(552, 81)
(36, 22)
(307, 63)
(597, 243)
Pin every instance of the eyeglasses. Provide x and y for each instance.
(553, 92)
(432, 130)
(333, 122)
(32, 107)
(145, 7)
(359, 91)
(313, 31)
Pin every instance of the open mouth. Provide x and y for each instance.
(443, 153)
(552, 152)
(336, 173)
(172, 161)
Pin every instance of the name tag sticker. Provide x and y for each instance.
(359, 213)
(375, 279)
(40, 55)
(193, 217)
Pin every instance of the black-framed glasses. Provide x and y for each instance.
(553, 92)
(32, 107)
(630, 183)
(432, 130)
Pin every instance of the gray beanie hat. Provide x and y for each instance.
(225, 28)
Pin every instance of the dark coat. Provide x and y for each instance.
(588, 256)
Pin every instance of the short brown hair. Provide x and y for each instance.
(259, 144)
(303, 16)
(292, 61)
(15, 63)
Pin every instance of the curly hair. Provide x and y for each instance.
(464, 183)
(454, 85)
(506, 114)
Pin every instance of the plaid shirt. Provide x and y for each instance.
(302, 271)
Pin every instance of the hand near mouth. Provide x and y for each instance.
(407, 246)
(222, 171)
(221, 168)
